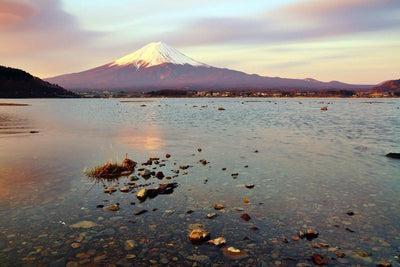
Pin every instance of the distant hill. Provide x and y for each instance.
(389, 86)
(158, 66)
(15, 83)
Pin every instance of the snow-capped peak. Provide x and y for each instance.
(154, 54)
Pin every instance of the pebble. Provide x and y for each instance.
(211, 215)
(199, 235)
(142, 194)
(219, 206)
(249, 186)
(218, 242)
(129, 245)
(114, 207)
(245, 217)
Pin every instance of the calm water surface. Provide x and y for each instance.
(312, 167)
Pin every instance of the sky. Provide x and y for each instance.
(354, 41)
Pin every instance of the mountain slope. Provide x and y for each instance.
(159, 66)
(18, 83)
(388, 86)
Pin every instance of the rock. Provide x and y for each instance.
(245, 200)
(75, 245)
(114, 207)
(245, 217)
(300, 234)
(106, 233)
(129, 245)
(234, 175)
(221, 108)
(350, 213)
(219, 206)
(217, 242)
(189, 211)
(133, 178)
(160, 175)
(383, 264)
(249, 186)
(99, 258)
(234, 253)
(142, 194)
(167, 156)
(146, 173)
(203, 259)
(199, 149)
(199, 235)
(311, 234)
(125, 189)
(393, 155)
(340, 254)
(3, 242)
(84, 224)
(140, 212)
(110, 189)
(324, 108)
(152, 193)
(100, 206)
(203, 161)
(362, 253)
(319, 260)
(211, 215)
(238, 209)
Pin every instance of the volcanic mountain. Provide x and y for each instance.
(158, 66)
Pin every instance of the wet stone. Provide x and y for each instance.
(217, 242)
(211, 215)
(114, 207)
(199, 236)
(219, 206)
(246, 217)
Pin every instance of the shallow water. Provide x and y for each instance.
(311, 168)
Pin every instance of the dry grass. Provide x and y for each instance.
(111, 170)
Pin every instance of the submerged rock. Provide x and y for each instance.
(129, 245)
(84, 224)
(199, 235)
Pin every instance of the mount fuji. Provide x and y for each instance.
(159, 66)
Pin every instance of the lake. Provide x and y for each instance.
(320, 170)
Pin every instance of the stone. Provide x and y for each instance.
(160, 175)
(246, 201)
(167, 156)
(203, 259)
(110, 189)
(221, 108)
(129, 245)
(362, 253)
(311, 234)
(133, 178)
(114, 207)
(249, 186)
(199, 149)
(99, 258)
(219, 206)
(217, 242)
(146, 173)
(75, 245)
(142, 194)
(245, 217)
(139, 212)
(324, 108)
(340, 254)
(211, 215)
(234, 253)
(319, 260)
(393, 155)
(199, 236)
(125, 189)
(106, 233)
(84, 224)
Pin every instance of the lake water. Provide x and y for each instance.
(312, 167)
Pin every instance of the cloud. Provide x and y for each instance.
(27, 26)
(306, 20)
